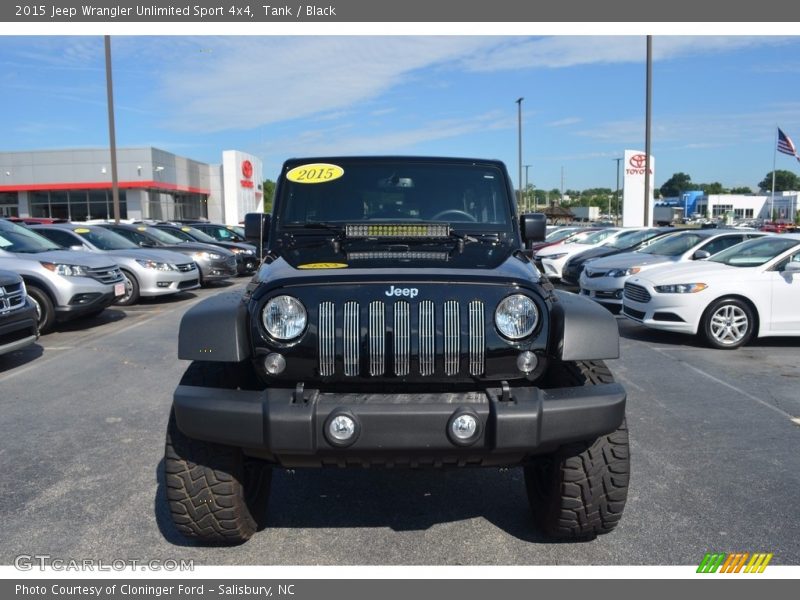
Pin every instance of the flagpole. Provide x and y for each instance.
(774, 163)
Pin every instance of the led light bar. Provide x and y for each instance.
(398, 230)
(397, 256)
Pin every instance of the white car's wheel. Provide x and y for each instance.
(728, 324)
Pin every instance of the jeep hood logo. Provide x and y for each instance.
(408, 292)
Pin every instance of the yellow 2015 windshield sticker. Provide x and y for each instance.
(315, 173)
(323, 266)
(82, 230)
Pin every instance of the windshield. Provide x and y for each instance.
(198, 235)
(598, 236)
(467, 196)
(161, 236)
(560, 234)
(14, 238)
(754, 253)
(627, 239)
(673, 245)
(104, 239)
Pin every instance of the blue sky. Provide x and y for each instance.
(716, 99)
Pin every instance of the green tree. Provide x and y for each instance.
(743, 190)
(676, 185)
(268, 189)
(711, 188)
(784, 181)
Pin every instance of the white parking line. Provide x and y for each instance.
(734, 388)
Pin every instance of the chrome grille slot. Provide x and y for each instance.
(186, 267)
(477, 342)
(637, 293)
(402, 338)
(352, 339)
(377, 338)
(105, 275)
(427, 340)
(452, 337)
(327, 339)
(11, 297)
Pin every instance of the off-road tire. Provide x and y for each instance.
(579, 491)
(216, 494)
(45, 312)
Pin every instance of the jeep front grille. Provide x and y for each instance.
(414, 335)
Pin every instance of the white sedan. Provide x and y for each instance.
(553, 258)
(749, 290)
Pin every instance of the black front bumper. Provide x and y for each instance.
(288, 426)
(83, 304)
(18, 329)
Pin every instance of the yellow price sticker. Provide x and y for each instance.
(186, 228)
(83, 230)
(323, 266)
(315, 173)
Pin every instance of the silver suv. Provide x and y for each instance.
(62, 284)
(148, 272)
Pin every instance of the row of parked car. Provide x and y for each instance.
(56, 271)
(727, 285)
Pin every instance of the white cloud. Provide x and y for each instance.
(568, 51)
(250, 82)
(564, 122)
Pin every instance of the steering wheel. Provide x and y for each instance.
(453, 211)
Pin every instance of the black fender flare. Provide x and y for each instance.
(582, 329)
(216, 330)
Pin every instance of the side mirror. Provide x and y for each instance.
(256, 227)
(77, 247)
(534, 227)
(701, 255)
(792, 267)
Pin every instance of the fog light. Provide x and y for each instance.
(527, 361)
(163, 284)
(274, 364)
(618, 294)
(464, 428)
(341, 429)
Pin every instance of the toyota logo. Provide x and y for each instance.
(637, 161)
(247, 169)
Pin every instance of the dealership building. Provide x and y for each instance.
(153, 184)
(784, 205)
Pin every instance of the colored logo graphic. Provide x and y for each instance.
(247, 169)
(637, 161)
(737, 562)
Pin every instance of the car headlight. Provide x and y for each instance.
(158, 266)
(242, 251)
(65, 269)
(205, 255)
(680, 288)
(623, 272)
(516, 316)
(284, 317)
(556, 256)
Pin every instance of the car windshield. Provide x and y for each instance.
(104, 239)
(627, 239)
(239, 231)
(467, 196)
(674, 244)
(14, 238)
(598, 236)
(198, 235)
(559, 234)
(161, 236)
(754, 253)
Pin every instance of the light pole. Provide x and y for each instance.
(519, 146)
(527, 192)
(616, 195)
(112, 137)
(648, 118)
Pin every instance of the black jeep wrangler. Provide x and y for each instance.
(396, 321)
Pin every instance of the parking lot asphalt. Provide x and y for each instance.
(715, 463)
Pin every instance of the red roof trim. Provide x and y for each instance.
(103, 185)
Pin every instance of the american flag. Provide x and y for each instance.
(785, 145)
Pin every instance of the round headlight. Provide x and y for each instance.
(516, 316)
(284, 317)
